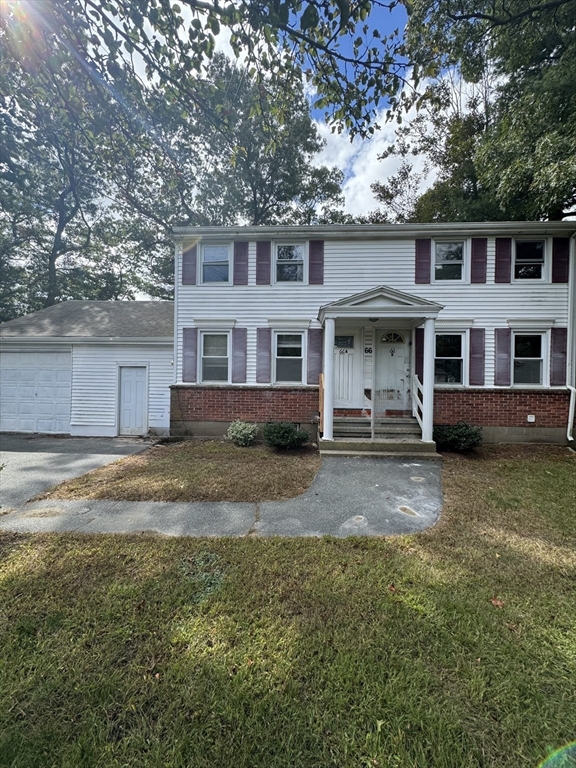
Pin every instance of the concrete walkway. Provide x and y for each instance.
(349, 497)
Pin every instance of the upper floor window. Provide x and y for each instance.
(449, 260)
(289, 263)
(449, 362)
(529, 259)
(215, 264)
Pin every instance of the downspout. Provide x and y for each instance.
(571, 341)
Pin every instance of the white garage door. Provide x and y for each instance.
(35, 391)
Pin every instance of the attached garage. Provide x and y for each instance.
(88, 368)
(35, 391)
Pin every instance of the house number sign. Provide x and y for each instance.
(367, 350)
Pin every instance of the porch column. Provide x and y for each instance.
(428, 383)
(329, 326)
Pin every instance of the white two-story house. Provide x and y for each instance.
(377, 324)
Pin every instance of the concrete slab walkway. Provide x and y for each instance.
(349, 497)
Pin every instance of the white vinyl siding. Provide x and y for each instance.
(96, 385)
(375, 262)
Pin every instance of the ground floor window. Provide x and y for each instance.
(214, 365)
(528, 359)
(288, 358)
(449, 362)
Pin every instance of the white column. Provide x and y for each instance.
(329, 329)
(428, 383)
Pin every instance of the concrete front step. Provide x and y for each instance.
(385, 455)
(362, 445)
(359, 428)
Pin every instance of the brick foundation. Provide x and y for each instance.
(502, 408)
(226, 404)
(502, 412)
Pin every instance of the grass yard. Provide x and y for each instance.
(449, 649)
(210, 470)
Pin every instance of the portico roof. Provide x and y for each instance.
(381, 302)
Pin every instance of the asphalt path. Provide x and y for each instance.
(350, 496)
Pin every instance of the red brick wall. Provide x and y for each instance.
(501, 408)
(483, 407)
(297, 404)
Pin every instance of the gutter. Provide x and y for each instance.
(373, 231)
(571, 341)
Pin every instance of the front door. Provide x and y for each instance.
(392, 373)
(133, 400)
(347, 369)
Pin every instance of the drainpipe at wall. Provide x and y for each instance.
(571, 340)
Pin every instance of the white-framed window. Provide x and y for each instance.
(450, 359)
(215, 263)
(449, 260)
(530, 259)
(289, 262)
(214, 357)
(289, 350)
(528, 356)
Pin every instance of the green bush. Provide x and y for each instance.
(284, 435)
(461, 437)
(242, 433)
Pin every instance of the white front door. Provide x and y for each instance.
(392, 372)
(347, 369)
(133, 401)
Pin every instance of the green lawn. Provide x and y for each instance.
(454, 648)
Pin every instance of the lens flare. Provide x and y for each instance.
(565, 757)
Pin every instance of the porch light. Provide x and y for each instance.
(373, 319)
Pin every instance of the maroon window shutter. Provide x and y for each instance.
(560, 259)
(503, 260)
(240, 263)
(315, 336)
(502, 340)
(263, 250)
(239, 355)
(559, 346)
(189, 265)
(479, 257)
(419, 354)
(264, 355)
(316, 263)
(189, 354)
(423, 261)
(477, 347)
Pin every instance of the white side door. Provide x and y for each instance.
(133, 401)
(348, 369)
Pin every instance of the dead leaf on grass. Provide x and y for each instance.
(496, 602)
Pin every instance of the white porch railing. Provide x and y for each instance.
(417, 400)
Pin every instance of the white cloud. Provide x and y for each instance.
(358, 159)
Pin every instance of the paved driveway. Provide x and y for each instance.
(33, 463)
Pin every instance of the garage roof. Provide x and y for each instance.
(95, 319)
